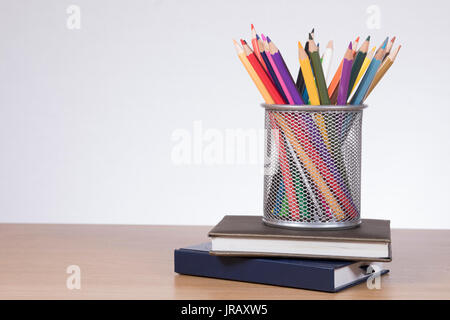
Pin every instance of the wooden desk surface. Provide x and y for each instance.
(136, 262)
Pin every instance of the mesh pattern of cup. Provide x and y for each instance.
(312, 167)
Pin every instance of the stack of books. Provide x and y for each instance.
(243, 248)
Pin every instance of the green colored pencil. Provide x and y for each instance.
(359, 59)
(318, 73)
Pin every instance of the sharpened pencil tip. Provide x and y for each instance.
(237, 47)
(263, 37)
(350, 45)
(300, 45)
(257, 37)
(393, 39)
(253, 27)
(368, 38)
(268, 39)
(310, 36)
(383, 46)
(243, 42)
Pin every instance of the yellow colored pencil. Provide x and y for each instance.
(262, 89)
(387, 63)
(363, 70)
(308, 76)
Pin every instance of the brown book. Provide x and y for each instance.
(249, 236)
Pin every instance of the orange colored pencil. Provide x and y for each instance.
(334, 84)
(262, 74)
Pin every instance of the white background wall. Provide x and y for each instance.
(87, 116)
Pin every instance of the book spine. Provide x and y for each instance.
(255, 270)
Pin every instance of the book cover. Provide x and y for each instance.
(369, 232)
(321, 275)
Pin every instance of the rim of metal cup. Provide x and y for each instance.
(289, 107)
(312, 225)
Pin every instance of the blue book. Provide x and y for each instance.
(321, 275)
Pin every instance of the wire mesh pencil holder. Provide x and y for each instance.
(312, 176)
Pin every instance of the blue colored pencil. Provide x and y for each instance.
(360, 93)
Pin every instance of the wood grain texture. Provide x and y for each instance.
(136, 262)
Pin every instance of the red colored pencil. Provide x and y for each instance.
(262, 74)
(256, 49)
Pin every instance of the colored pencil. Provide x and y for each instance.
(335, 81)
(272, 73)
(326, 60)
(284, 73)
(345, 77)
(369, 75)
(310, 83)
(262, 89)
(359, 60)
(300, 83)
(262, 74)
(305, 68)
(389, 47)
(256, 50)
(362, 71)
(318, 73)
(387, 63)
(334, 84)
(277, 72)
(304, 94)
(355, 45)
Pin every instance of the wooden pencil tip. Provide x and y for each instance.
(396, 52)
(312, 31)
(253, 27)
(357, 39)
(310, 36)
(368, 38)
(383, 46)
(350, 45)
(263, 37)
(393, 39)
(253, 32)
(243, 42)
(237, 46)
(268, 39)
(300, 45)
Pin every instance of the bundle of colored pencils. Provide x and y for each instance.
(311, 166)
(358, 73)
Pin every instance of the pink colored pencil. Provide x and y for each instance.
(277, 72)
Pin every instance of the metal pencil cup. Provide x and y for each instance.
(312, 175)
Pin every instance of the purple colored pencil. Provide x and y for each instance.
(284, 73)
(345, 76)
